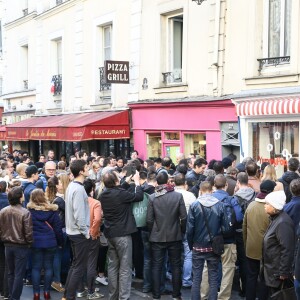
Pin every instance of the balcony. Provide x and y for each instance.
(56, 85)
(172, 77)
(103, 85)
(272, 61)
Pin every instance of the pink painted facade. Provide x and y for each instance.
(183, 117)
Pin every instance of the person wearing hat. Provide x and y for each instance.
(28, 186)
(255, 224)
(278, 243)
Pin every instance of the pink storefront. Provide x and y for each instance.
(208, 129)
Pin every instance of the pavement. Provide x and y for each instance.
(136, 293)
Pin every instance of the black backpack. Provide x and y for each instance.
(230, 216)
(243, 202)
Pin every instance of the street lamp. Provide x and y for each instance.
(199, 2)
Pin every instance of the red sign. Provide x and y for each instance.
(69, 134)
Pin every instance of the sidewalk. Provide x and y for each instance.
(136, 293)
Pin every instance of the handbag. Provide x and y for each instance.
(216, 241)
(286, 292)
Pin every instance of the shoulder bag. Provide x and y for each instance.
(216, 241)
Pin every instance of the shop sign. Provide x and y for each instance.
(278, 161)
(116, 71)
(69, 133)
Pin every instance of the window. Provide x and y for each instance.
(0, 37)
(279, 27)
(195, 143)
(174, 49)
(24, 62)
(275, 142)
(107, 42)
(59, 56)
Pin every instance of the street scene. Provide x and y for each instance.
(149, 149)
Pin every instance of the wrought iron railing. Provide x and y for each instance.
(172, 77)
(25, 82)
(272, 61)
(56, 84)
(103, 85)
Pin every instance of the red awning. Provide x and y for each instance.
(269, 106)
(72, 127)
(2, 133)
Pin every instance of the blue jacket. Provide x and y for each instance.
(227, 200)
(28, 187)
(3, 200)
(293, 210)
(197, 233)
(46, 224)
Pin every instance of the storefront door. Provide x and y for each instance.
(172, 151)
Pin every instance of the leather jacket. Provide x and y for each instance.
(16, 226)
(197, 233)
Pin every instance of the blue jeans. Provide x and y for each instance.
(213, 270)
(297, 288)
(187, 264)
(42, 258)
(147, 273)
(61, 258)
(16, 258)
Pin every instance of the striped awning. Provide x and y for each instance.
(269, 106)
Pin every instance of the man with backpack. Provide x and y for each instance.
(233, 213)
(244, 196)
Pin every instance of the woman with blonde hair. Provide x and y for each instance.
(47, 235)
(270, 174)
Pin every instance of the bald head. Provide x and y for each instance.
(50, 168)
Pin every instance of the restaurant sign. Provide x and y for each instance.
(72, 134)
(116, 71)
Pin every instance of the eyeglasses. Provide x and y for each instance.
(51, 170)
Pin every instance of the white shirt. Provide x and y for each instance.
(188, 197)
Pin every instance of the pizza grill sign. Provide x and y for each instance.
(116, 71)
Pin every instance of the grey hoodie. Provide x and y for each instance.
(246, 193)
(208, 200)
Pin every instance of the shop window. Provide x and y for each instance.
(195, 143)
(275, 142)
(172, 136)
(153, 145)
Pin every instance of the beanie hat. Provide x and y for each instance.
(227, 162)
(276, 199)
(241, 167)
(267, 186)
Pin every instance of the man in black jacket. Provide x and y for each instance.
(166, 220)
(119, 224)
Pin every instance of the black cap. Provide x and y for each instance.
(267, 186)
(241, 167)
(227, 162)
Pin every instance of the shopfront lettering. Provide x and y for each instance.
(78, 134)
(36, 133)
(12, 133)
(103, 131)
(278, 161)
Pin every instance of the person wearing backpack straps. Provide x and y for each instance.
(206, 222)
(228, 258)
(244, 196)
(255, 224)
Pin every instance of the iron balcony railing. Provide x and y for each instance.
(56, 87)
(272, 61)
(103, 85)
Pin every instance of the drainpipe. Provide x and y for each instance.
(215, 63)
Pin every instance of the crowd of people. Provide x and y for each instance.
(69, 225)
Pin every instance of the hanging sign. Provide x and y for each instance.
(116, 71)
